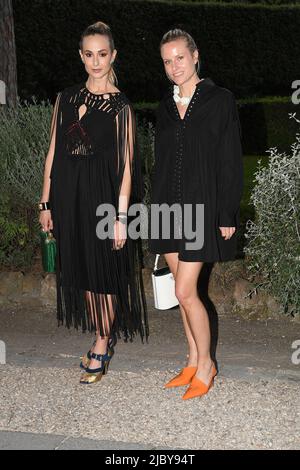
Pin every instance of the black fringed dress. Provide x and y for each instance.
(97, 287)
(198, 160)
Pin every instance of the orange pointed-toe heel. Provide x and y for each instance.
(198, 388)
(183, 378)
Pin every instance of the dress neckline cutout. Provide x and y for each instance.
(108, 93)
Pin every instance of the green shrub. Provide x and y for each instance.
(24, 139)
(16, 247)
(273, 238)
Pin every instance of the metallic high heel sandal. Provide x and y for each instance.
(92, 376)
(86, 360)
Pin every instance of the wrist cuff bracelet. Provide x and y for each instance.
(44, 206)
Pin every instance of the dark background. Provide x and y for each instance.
(253, 50)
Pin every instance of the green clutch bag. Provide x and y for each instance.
(48, 249)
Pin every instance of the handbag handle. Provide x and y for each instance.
(156, 262)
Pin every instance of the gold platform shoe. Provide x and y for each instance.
(92, 376)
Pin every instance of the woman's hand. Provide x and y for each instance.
(46, 221)
(120, 235)
(227, 232)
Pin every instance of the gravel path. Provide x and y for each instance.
(133, 407)
(253, 405)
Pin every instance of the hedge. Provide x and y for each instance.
(241, 2)
(250, 49)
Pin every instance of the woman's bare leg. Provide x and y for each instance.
(187, 294)
(172, 261)
(108, 314)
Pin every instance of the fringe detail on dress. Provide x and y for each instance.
(114, 315)
(97, 289)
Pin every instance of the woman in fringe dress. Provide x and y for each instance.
(92, 160)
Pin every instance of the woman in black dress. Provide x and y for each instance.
(198, 162)
(92, 161)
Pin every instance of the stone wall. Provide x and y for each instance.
(229, 290)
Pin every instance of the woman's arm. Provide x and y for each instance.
(126, 134)
(126, 125)
(50, 155)
(45, 216)
(230, 169)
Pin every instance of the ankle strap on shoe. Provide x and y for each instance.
(99, 357)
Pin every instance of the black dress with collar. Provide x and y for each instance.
(198, 162)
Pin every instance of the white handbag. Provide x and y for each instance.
(163, 287)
